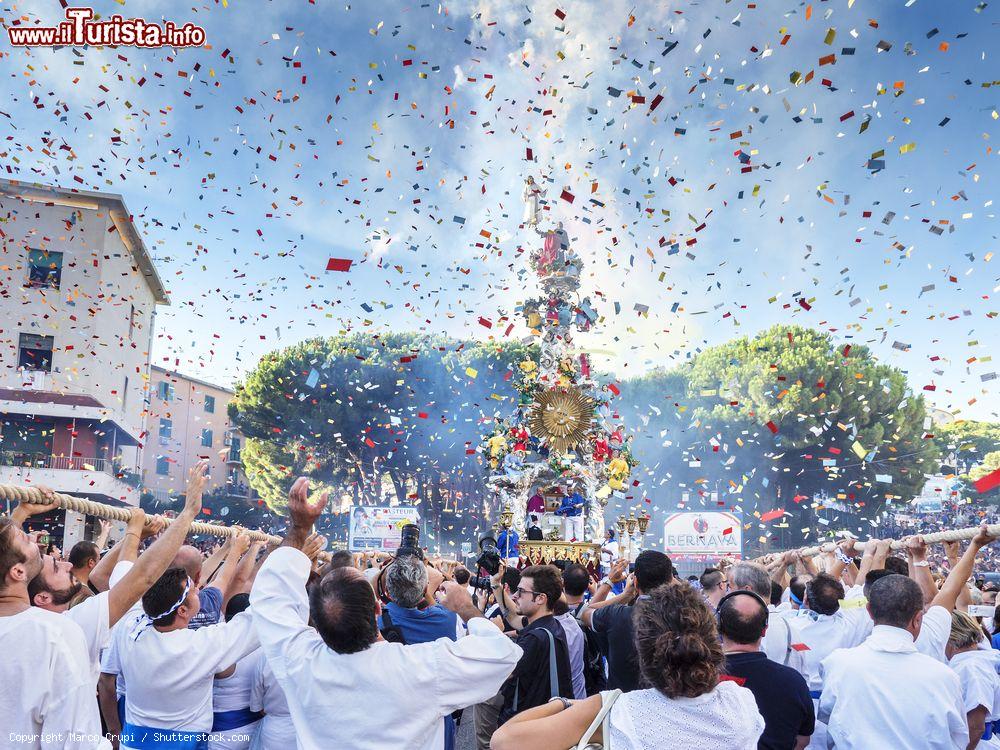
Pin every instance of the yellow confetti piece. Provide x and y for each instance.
(471, 372)
(907, 148)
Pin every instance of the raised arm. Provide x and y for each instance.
(278, 598)
(127, 550)
(625, 597)
(959, 575)
(102, 538)
(151, 564)
(224, 581)
(919, 569)
(211, 565)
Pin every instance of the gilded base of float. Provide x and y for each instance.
(545, 552)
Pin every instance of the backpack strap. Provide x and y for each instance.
(553, 672)
(553, 668)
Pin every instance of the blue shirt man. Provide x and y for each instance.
(406, 582)
(571, 505)
(507, 543)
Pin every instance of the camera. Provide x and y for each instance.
(409, 543)
(489, 556)
(481, 582)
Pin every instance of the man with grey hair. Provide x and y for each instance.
(777, 642)
(412, 616)
(923, 708)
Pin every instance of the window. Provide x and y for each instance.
(234, 449)
(35, 352)
(166, 430)
(165, 390)
(210, 404)
(206, 438)
(44, 269)
(162, 466)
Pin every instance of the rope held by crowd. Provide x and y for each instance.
(936, 537)
(15, 493)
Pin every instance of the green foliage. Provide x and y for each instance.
(827, 402)
(967, 439)
(346, 411)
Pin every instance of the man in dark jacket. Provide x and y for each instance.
(533, 681)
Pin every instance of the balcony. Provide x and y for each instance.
(73, 475)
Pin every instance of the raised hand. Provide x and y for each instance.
(33, 509)
(136, 522)
(313, 545)
(195, 487)
(983, 536)
(304, 511)
(617, 574)
(916, 547)
(241, 543)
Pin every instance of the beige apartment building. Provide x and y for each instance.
(187, 422)
(78, 297)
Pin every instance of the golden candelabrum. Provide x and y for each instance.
(630, 543)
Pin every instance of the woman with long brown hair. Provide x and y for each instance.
(685, 705)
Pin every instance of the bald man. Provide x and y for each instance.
(781, 693)
(212, 596)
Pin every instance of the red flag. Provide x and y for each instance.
(339, 264)
(987, 483)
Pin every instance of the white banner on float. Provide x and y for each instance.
(375, 528)
(712, 533)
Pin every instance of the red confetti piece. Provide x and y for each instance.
(772, 514)
(567, 196)
(339, 264)
(727, 532)
(614, 389)
(772, 427)
(800, 647)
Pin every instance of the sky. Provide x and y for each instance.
(721, 166)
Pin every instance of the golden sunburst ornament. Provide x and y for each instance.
(561, 417)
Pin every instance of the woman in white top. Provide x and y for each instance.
(680, 656)
(977, 671)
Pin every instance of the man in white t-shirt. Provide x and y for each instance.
(46, 690)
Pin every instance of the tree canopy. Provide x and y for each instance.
(352, 411)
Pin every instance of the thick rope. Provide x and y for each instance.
(15, 493)
(936, 537)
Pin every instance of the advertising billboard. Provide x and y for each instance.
(375, 528)
(703, 535)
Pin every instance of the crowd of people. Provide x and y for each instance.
(155, 643)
